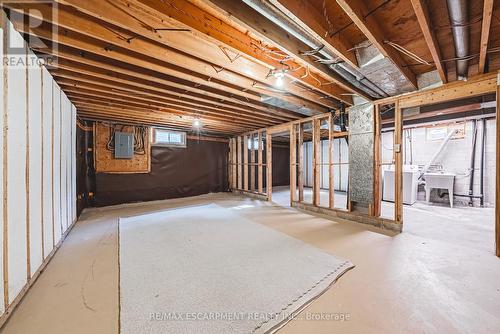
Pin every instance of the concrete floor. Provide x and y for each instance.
(409, 283)
(470, 227)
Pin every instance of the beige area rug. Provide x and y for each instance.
(205, 269)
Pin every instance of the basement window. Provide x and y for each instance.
(253, 144)
(169, 138)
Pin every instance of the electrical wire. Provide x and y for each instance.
(327, 19)
(140, 134)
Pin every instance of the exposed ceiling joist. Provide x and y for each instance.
(267, 31)
(192, 68)
(422, 14)
(137, 61)
(310, 19)
(153, 81)
(127, 105)
(150, 119)
(91, 91)
(175, 109)
(356, 10)
(189, 43)
(191, 16)
(119, 82)
(133, 113)
(485, 33)
(95, 82)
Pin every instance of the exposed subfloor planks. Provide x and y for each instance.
(419, 283)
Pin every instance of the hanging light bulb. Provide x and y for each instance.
(197, 123)
(279, 75)
(279, 81)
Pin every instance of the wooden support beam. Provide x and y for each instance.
(252, 162)
(316, 199)
(269, 166)
(260, 177)
(293, 164)
(357, 11)
(245, 163)
(377, 156)
(398, 160)
(300, 158)
(331, 167)
(475, 86)
(240, 167)
(497, 193)
(485, 33)
(430, 38)
(312, 20)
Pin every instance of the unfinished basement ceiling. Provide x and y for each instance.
(242, 65)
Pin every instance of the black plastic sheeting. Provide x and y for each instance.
(85, 180)
(200, 168)
(281, 165)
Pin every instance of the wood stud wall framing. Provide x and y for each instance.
(316, 140)
(497, 199)
(246, 163)
(377, 171)
(398, 164)
(296, 133)
(293, 163)
(269, 166)
(300, 167)
(260, 167)
(475, 86)
(331, 169)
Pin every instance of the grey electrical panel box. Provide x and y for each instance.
(124, 145)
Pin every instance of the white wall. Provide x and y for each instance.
(456, 158)
(37, 182)
(340, 171)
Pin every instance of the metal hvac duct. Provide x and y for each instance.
(459, 18)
